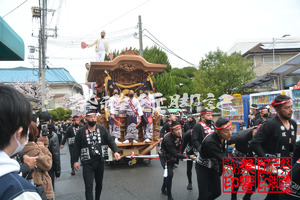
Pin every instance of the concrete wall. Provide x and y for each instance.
(261, 68)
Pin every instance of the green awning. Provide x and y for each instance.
(11, 44)
(173, 110)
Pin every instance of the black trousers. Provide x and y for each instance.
(209, 183)
(71, 150)
(52, 175)
(167, 183)
(91, 172)
(270, 196)
(189, 167)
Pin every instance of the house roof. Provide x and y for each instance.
(24, 74)
(267, 48)
(241, 47)
(290, 67)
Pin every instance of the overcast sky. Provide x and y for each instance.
(188, 28)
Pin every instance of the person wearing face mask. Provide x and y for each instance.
(40, 176)
(276, 137)
(91, 146)
(209, 166)
(70, 136)
(133, 111)
(114, 120)
(189, 124)
(263, 115)
(147, 102)
(169, 155)
(16, 115)
(102, 47)
(54, 172)
(201, 129)
(253, 116)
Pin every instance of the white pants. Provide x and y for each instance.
(93, 85)
(100, 55)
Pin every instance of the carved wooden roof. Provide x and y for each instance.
(127, 68)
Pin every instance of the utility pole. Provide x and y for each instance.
(43, 52)
(40, 53)
(141, 35)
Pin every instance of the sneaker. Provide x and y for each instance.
(117, 141)
(190, 186)
(147, 140)
(126, 142)
(134, 141)
(73, 173)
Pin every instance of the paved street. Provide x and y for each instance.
(123, 182)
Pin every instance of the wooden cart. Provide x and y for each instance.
(128, 70)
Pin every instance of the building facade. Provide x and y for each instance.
(59, 81)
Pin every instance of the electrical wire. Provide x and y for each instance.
(169, 51)
(119, 17)
(15, 8)
(166, 48)
(63, 77)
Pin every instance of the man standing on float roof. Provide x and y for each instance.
(102, 47)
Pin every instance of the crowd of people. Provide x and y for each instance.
(30, 145)
(30, 149)
(267, 135)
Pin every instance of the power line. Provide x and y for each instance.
(169, 51)
(166, 48)
(15, 8)
(119, 17)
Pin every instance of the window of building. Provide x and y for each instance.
(269, 59)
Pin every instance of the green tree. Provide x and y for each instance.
(157, 56)
(165, 84)
(59, 114)
(190, 71)
(183, 79)
(220, 74)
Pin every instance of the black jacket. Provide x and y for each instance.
(171, 148)
(165, 129)
(189, 125)
(187, 143)
(198, 134)
(83, 150)
(70, 133)
(252, 121)
(242, 140)
(24, 168)
(212, 148)
(54, 148)
(272, 138)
